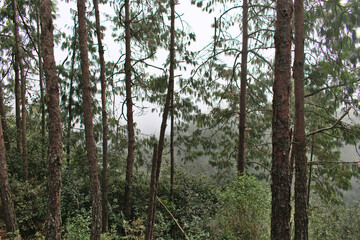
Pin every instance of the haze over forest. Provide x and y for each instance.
(175, 119)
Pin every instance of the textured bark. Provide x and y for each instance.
(4, 121)
(96, 223)
(19, 61)
(104, 189)
(71, 92)
(280, 171)
(243, 76)
(5, 191)
(152, 196)
(53, 219)
(301, 213)
(130, 119)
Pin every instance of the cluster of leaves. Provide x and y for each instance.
(333, 221)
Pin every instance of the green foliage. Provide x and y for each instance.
(30, 206)
(329, 221)
(244, 210)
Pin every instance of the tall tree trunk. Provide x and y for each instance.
(104, 121)
(243, 76)
(42, 102)
(5, 191)
(170, 92)
(172, 155)
(53, 219)
(301, 213)
(4, 121)
(71, 92)
(130, 120)
(17, 103)
(280, 171)
(23, 93)
(152, 196)
(96, 223)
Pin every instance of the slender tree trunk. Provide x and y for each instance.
(53, 219)
(152, 197)
(310, 170)
(301, 213)
(42, 102)
(23, 94)
(280, 171)
(104, 121)
(172, 155)
(17, 103)
(4, 121)
(242, 117)
(5, 191)
(71, 92)
(130, 120)
(96, 223)
(170, 92)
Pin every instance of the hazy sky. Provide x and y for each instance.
(197, 21)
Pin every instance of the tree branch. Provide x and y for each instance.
(328, 128)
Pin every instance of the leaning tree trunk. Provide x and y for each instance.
(170, 93)
(130, 119)
(96, 223)
(19, 61)
(243, 76)
(5, 191)
(280, 171)
(53, 219)
(152, 196)
(104, 189)
(301, 214)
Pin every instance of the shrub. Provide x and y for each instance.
(244, 210)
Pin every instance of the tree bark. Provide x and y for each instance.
(301, 213)
(23, 93)
(243, 76)
(104, 121)
(53, 219)
(5, 191)
(4, 121)
(280, 171)
(152, 196)
(130, 119)
(96, 223)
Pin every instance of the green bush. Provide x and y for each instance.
(332, 222)
(244, 211)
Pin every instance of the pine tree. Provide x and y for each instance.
(53, 220)
(280, 171)
(301, 213)
(96, 223)
(105, 208)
